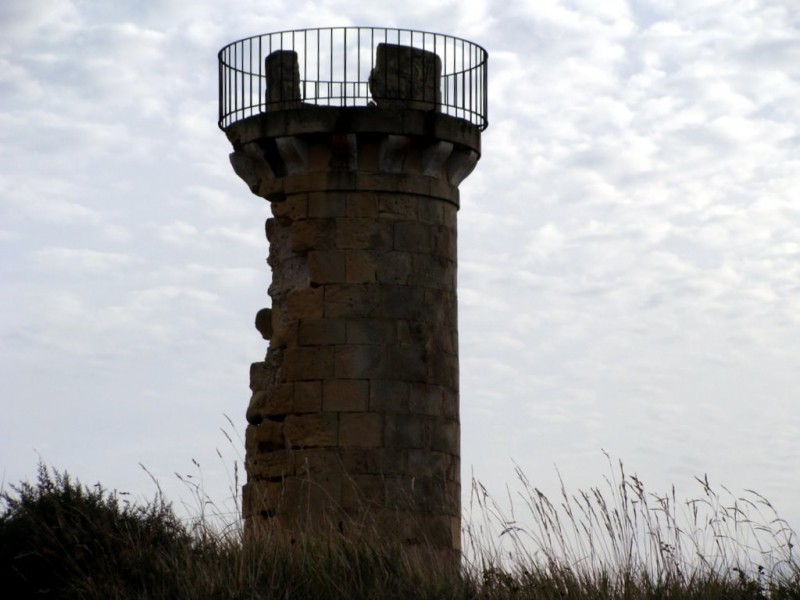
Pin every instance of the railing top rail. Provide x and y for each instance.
(353, 66)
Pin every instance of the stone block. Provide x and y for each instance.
(284, 332)
(412, 183)
(323, 205)
(443, 369)
(311, 462)
(408, 431)
(359, 362)
(450, 213)
(430, 211)
(361, 429)
(312, 234)
(307, 396)
(270, 465)
(425, 399)
(261, 375)
(263, 323)
(380, 461)
(444, 243)
(362, 493)
(455, 529)
(320, 332)
(350, 300)
(432, 272)
(304, 303)
(424, 463)
(450, 404)
(362, 204)
(356, 233)
(348, 395)
(280, 400)
(372, 181)
(360, 266)
(305, 363)
(370, 331)
(326, 266)
(257, 407)
(446, 437)
(398, 205)
(266, 437)
(294, 206)
(394, 268)
(402, 302)
(311, 431)
(406, 363)
(389, 396)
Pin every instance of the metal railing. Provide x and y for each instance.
(353, 66)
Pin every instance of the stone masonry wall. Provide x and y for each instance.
(354, 413)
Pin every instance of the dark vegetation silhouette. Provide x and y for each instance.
(61, 539)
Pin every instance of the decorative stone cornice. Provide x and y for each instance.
(323, 148)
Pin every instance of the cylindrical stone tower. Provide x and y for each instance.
(359, 138)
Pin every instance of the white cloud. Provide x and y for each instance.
(83, 260)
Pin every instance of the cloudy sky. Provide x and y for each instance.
(629, 245)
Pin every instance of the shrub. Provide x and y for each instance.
(63, 539)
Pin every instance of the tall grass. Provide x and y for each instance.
(620, 541)
(60, 539)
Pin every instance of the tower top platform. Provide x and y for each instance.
(340, 67)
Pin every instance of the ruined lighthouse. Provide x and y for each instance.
(359, 139)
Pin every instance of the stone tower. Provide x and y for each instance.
(358, 138)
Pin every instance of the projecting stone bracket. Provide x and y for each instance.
(434, 157)
(264, 323)
(460, 165)
(293, 151)
(252, 171)
(392, 153)
(344, 151)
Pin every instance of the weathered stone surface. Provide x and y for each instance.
(406, 77)
(397, 205)
(360, 266)
(350, 301)
(389, 397)
(307, 397)
(361, 429)
(322, 332)
(264, 323)
(283, 80)
(370, 331)
(408, 431)
(313, 362)
(311, 431)
(363, 492)
(326, 266)
(426, 399)
(364, 204)
(394, 267)
(312, 234)
(345, 395)
(323, 205)
(294, 206)
(357, 400)
(304, 303)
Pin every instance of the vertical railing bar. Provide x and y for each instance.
(304, 77)
(469, 75)
(250, 74)
(344, 76)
